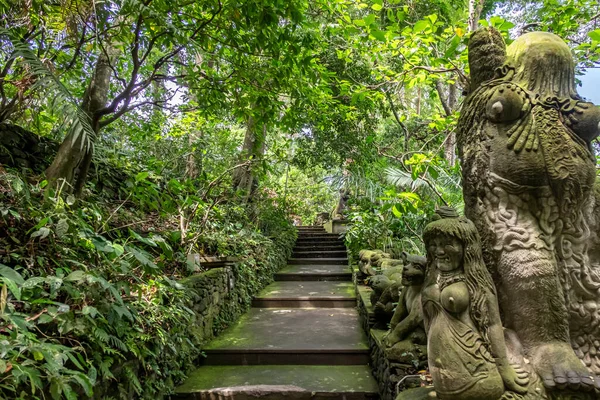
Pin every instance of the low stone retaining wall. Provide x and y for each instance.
(211, 290)
(223, 293)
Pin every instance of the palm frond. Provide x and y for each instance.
(403, 179)
(63, 102)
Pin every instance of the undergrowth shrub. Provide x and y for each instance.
(90, 302)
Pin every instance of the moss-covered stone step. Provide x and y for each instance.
(320, 254)
(315, 382)
(314, 272)
(316, 336)
(318, 261)
(307, 294)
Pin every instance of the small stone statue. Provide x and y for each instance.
(342, 206)
(465, 341)
(524, 138)
(408, 316)
(321, 219)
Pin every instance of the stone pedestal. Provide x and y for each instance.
(336, 226)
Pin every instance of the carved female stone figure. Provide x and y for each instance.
(466, 349)
(524, 137)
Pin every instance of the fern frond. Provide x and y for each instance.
(101, 335)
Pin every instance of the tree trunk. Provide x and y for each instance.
(450, 144)
(475, 7)
(193, 162)
(72, 161)
(445, 101)
(244, 178)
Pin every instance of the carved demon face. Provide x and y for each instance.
(413, 272)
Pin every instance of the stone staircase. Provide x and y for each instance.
(300, 340)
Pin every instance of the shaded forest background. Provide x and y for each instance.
(138, 135)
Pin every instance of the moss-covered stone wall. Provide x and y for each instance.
(217, 298)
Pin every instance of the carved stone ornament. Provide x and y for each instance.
(528, 181)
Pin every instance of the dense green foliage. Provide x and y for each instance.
(138, 135)
(89, 301)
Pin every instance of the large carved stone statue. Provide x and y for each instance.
(524, 141)
(465, 340)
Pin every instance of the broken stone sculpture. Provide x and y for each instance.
(524, 140)
(465, 341)
(368, 259)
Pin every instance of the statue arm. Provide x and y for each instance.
(411, 321)
(512, 380)
(401, 310)
(495, 331)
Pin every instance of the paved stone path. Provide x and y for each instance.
(301, 339)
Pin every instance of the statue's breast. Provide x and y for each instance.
(524, 167)
(532, 142)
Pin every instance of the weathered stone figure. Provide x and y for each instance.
(369, 258)
(465, 340)
(342, 206)
(524, 142)
(408, 315)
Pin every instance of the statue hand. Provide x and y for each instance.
(390, 339)
(515, 378)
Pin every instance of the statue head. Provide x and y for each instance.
(460, 233)
(542, 63)
(413, 271)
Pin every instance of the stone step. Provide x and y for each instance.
(314, 382)
(314, 272)
(310, 238)
(311, 230)
(306, 294)
(311, 235)
(319, 243)
(320, 247)
(291, 336)
(319, 261)
(320, 254)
